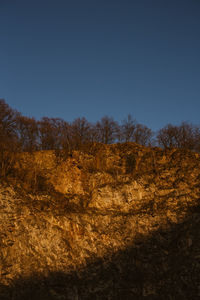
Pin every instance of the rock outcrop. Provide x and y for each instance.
(116, 222)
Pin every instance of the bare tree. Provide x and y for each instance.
(49, 132)
(27, 130)
(184, 136)
(142, 135)
(7, 120)
(81, 132)
(65, 135)
(197, 138)
(106, 130)
(167, 136)
(128, 129)
(8, 138)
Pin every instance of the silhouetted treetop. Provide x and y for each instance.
(27, 134)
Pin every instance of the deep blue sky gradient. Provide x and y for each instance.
(91, 58)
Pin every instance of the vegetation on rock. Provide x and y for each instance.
(74, 229)
(81, 219)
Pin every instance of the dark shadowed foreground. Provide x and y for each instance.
(165, 265)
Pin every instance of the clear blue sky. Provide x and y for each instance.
(74, 58)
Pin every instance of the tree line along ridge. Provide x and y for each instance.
(19, 133)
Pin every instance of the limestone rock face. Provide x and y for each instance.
(118, 222)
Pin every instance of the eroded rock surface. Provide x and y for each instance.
(119, 222)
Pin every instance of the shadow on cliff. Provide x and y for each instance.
(164, 265)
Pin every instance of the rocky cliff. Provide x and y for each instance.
(113, 222)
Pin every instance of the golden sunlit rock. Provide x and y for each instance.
(117, 222)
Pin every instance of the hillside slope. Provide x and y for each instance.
(116, 222)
